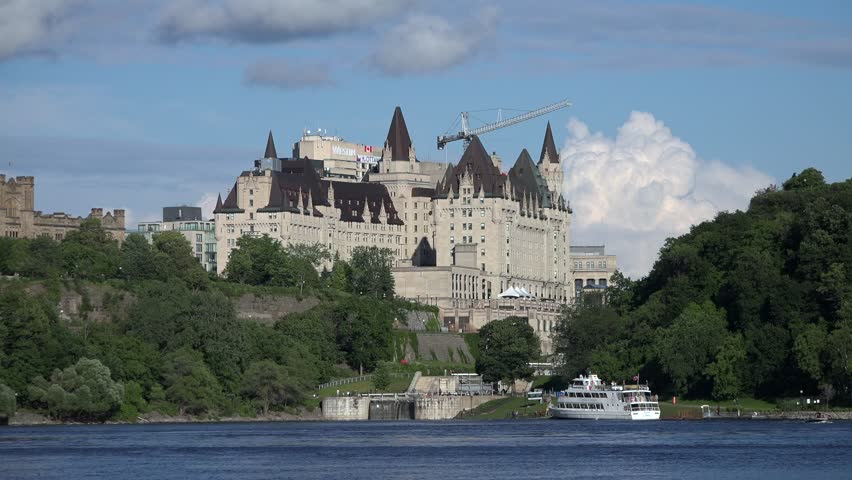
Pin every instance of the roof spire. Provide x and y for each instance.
(398, 139)
(548, 149)
(270, 147)
(218, 204)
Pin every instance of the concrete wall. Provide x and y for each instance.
(346, 408)
(439, 407)
(447, 407)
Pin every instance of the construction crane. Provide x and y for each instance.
(467, 133)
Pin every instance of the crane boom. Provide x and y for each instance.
(467, 132)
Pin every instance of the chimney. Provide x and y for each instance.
(97, 213)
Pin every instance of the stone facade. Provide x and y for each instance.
(591, 268)
(473, 230)
(19, 219)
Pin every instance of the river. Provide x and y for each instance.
(430, 450)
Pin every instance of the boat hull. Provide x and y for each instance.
(574, 414)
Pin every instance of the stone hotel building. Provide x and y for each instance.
(461, 234)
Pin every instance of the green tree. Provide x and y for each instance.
(726, 371)
(43, 258)
(174, 258)
(341, 276)
(371, 272)
(190, 384)
(83, 391)
(137, 258)
(271, 385)
(506, 347)
(689, 344)
(381, 379)
(8, 402)
(34, 342)
(364, 330)
(809, 178)
(583, 329)
(90, 252)
(808, 348)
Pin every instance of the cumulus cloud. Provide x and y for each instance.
(270, 21)
(427, 43)
(28, 26)
(207, 202)
(286, 74)
(633, 191)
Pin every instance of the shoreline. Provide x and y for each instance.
(29, 419)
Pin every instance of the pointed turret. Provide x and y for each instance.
(270, 147)
(548, 149)
(218, 204)
(398, 139)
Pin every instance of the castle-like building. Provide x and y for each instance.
(19, 219)
(459, 233)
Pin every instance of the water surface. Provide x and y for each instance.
(430, 450)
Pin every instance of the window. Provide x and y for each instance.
(452, 227)
(481, 212)
(452, 239)
(251, 191)
(482, 226)
(482, 252)
(482, 239)
(251, 215)
(197, 237)
(251, 202)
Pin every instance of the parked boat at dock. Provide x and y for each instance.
(589, 397)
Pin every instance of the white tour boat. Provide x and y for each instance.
(589, 397)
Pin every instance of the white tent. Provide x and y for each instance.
(525, 293)
(510, 292)
(514, 292)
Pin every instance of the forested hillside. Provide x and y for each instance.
(179, 347)
(755, 303)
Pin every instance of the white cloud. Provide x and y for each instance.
(207, 202)
(30, 26)
(634, 191)
(270, 21)
(427, 43)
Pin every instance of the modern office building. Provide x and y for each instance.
(200, 234)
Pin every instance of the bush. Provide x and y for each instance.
(84, 391)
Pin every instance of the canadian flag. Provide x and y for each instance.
(368, 148)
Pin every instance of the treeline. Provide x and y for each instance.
(755, 303)
(179, 347)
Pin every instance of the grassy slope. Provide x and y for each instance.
(502, 408)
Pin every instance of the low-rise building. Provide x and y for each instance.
(19, 219)
(591, 268)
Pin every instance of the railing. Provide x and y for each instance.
(360, 378)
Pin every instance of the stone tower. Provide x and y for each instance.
(550, 167)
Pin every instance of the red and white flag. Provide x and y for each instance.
(368, 148)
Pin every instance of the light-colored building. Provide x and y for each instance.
(461, 234)
(200, 234)
(342, 160)
(591, 268)
(19, 219)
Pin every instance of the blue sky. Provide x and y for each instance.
(143, 104)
